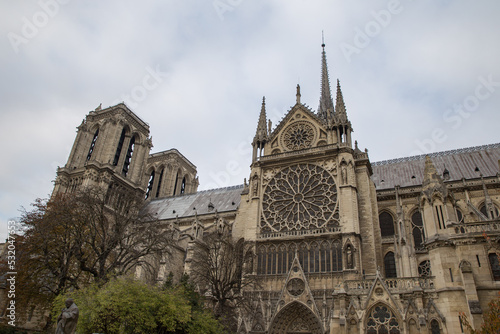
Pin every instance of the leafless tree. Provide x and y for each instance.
(222, 268)
(85, 236)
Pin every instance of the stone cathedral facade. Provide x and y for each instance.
(342, 244)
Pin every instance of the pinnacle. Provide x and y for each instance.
(325, 101)
(261, 134)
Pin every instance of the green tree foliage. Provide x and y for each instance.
(86, 236)
(125, 306)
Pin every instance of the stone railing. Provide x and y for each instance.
(482, 227)
(395, 285)
(318, 231)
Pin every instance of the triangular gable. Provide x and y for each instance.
(379, 293)
(289, 115)
(431, 310)
(305, 119)
(296, 288)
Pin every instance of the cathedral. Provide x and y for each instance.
(341, 244)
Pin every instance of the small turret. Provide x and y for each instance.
(261, 135)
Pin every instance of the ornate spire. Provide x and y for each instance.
(339, 104)
(432, 181)
(261, 134)
(325, 101)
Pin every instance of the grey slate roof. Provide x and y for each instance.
(223, 199)
(460, 163)
(387, 174)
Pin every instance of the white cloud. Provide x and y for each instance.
(428, 58)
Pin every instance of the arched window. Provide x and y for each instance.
(261, 260)
(336, 256)
(460, 216)
(417, 230)
(92, 145)
(424, 269)
(183, 185)
(175, 184)
(304, 257)
(160, 180)
(150, 184)
(119, 147)
(495, 266)
(494, 211)
(381, 320)
(435, 327)
(282, 260)
(390, 265)
(128, 158)
(314, 253)
(325, 257)
(271, 261)
(386, 224)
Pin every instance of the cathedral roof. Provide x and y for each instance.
(223, 200)
(460, 163)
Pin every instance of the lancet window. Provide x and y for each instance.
(386, 224)
(417, 230)
(119, 147)
(160, 180)
(128, 158)
(314, 257)
(390, 265)
(92, 145)
(150, 184)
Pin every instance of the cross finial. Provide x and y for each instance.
(322, 39)
(298, 93)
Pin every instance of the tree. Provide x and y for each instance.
(491, 324)
(86, 236)
(123, 306)
(222, 267)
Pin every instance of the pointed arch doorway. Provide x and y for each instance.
(295, 318)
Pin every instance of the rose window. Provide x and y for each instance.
(298, 136)
(295, 287)
(300, 197)
(382, 321)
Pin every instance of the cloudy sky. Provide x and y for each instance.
(417, 77)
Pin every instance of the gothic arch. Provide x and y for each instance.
(382, 319)
(435, 326)
(386, 223)
(295, 317)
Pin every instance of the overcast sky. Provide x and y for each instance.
(417, 77)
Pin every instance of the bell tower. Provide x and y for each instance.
(110, 151)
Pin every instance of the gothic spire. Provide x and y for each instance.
(261, 134)
(339, 104)
(325, 102)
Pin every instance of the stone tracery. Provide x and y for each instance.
(300, 197)
(298, 135)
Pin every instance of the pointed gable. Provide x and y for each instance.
(300, 128)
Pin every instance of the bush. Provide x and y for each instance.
(126, 306)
